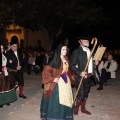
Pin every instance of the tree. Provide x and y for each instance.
(50, 16)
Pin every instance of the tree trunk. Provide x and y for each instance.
(46, 39)
(50, 37)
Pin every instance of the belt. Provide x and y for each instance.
(11, 70)
(89, 75)
(3, 68)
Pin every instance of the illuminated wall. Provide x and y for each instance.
(14, 30)
(28, 36)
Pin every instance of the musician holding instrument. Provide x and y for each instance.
(78, 63)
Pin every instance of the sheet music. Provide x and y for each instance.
(99, 53)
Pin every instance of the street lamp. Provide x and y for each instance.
(27, 39)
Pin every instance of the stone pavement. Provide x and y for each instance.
(104, 105)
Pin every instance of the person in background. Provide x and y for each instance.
(108, 71)
(46, 59)
(31, 62)
(25, 61)
(38, 63)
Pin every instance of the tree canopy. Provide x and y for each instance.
(50, 16)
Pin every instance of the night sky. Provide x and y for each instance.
(109, 35)
(112, 32)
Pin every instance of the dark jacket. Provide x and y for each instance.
(45, 60)
(78, 58)
(12, 57)
(39, 60)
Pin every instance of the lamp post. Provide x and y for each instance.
(27, 39)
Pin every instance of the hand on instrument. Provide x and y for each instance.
(19, 67)
(96, 62)
(83, 74)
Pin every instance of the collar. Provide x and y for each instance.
(85, 49)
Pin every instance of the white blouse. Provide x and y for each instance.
(4, 60)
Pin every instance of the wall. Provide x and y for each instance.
(28, 36)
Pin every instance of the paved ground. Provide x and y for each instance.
(104, 105)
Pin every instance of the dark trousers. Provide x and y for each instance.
(84, 88)
(36, 69)
(104, 76)
(18, 77)
(25, 67)
(29, 68)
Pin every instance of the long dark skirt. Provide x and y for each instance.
(7, 89)
(52, 110)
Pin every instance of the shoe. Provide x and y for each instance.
(76, 109)
(8, 104)
(24, 97)
(85, 111)
(1, 106)
(100, 88)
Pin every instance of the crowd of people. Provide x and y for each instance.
(14, 62)
(34, 60)
(60, 71)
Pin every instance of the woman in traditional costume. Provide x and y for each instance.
(57, 99)
(7, 82)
